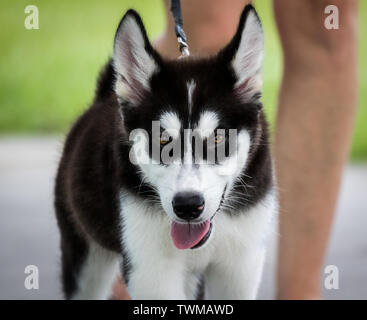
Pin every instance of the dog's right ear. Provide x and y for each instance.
(134, 59)
(245, 54)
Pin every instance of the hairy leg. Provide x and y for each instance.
(313, 130)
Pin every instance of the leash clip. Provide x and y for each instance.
(180, 33)
(184, 48)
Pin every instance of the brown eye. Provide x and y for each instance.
(164, 140)
(218, 138)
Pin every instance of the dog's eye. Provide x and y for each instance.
(218, 138)
(165, 140)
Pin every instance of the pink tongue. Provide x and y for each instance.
(187, 235)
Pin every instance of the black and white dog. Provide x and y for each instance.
(169, 224)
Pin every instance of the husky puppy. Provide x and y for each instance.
(166, 225)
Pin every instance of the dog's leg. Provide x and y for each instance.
(153, 269)
(236, 278)
(74, 250)
(194, 288)
(88, 270)
(97, 273)
(159, 279)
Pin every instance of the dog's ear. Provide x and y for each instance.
(245, 54)
(134, 59)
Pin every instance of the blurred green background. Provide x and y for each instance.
(48, 76)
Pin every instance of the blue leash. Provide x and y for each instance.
(180, 33)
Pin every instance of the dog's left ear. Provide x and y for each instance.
(245, 54)
(134, 59)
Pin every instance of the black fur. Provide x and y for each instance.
(95, 165)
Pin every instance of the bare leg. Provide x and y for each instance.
(313, 130)
(119, 291)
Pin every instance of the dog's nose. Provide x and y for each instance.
(188, 205)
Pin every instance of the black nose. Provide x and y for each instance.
(188, 205)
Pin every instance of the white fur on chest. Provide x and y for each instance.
(146, 234)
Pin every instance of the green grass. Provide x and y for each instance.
(48, 76)
(359, 148)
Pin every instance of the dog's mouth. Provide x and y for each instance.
(190, 235)
(204, 239)
(193, 236)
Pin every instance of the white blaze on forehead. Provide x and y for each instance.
(170, 122)
(208, 122)
(190, 90)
